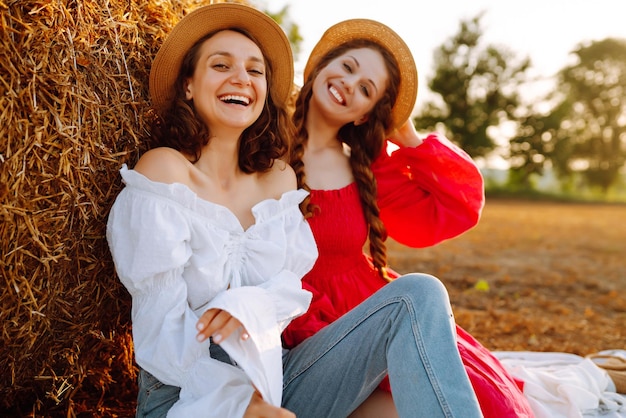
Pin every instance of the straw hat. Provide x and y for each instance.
(615, 366)
(212, 18)
(381, 34)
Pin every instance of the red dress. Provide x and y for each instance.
(420, 208)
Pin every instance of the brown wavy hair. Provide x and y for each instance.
(366, 142)
(180, 127)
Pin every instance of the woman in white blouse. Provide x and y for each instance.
(208, 238)
(207, 235)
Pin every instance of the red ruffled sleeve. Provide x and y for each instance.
(429, 193)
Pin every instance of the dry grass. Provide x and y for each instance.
(535, 276)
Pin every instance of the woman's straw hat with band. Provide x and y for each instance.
(212, 18)
(381, 34)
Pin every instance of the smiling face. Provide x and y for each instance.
(229, 84)
(347, 89)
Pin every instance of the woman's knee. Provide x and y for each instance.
(421, 290)
(420, 284)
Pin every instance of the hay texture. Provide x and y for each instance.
(73, 109)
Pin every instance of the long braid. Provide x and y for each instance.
(377, 233)
(297, 148)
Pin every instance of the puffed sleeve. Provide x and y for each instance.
(149, 242)
(429, 193)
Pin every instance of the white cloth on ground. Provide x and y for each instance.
(563, 385)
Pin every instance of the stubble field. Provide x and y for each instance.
(534, 276)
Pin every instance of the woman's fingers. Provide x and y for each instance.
(219, 325)
(204, 323)
(227, 326)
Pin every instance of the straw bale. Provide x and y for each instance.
(73, 109)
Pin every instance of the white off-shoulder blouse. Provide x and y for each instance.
(179, 255)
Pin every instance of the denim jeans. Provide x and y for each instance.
(154, 398)
(406, 330)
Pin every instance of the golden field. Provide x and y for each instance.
(535, 276)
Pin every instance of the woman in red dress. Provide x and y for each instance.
(360, 86)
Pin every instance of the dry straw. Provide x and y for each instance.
(73, 106)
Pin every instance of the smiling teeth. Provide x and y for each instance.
(237, 99)
(335, 93)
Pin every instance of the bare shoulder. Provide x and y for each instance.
(280, 178)
(163, 165)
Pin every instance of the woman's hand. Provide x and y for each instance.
(405, 135)
(258, 408)
(218, 324)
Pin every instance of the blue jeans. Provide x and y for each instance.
(406, 330)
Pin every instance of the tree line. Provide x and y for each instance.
(577, 129)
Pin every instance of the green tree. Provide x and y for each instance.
(537, 143)
(583, 134)
(291, 28)
(592, 134)
(478, 86)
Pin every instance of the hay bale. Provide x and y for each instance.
(73, 106)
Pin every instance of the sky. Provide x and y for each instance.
(544, 30)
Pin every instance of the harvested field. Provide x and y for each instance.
(535, 276)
